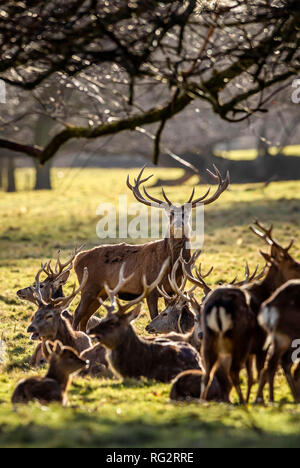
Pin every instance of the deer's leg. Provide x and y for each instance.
(249, 368)
(260, 362)
(211, 364)
(152, 301)
(235, 377)
(287, 365)
(88, 305)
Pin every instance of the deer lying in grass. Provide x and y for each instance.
(132, 356)
(50, 323)
(187, 386)
(228, 327)
(64, 363)
(181, 321)
(280, 318)
(56, 278)
(104, 262)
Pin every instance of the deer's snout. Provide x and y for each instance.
(31, 329)
(150, 329)
(21, 294)
(34, 333)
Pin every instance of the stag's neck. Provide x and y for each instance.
(57, 374)
(176, 246)
(261, 291)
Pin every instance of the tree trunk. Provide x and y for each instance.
(43, 176)
(11, 179)
(43, 173)
(1, 173)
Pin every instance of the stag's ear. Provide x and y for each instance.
(58, 347)
(186, 320)
(61, 281)
(133, 314)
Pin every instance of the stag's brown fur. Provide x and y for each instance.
(104, 262)
(228, 326)
(280, 318)
(160, 361)
(54, 386)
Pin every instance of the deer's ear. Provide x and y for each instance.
(58, 347)
(61, 281)
(133, 314)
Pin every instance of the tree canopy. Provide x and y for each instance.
(141, 62)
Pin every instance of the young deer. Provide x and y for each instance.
(280, 318)
(64, 363)
(56, 278)
(132, 356)
(228, 326)
(104, 262)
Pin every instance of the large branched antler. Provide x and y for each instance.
(114, 300)
(166, 203)
(61, 268)
(256, 276)
(199, 279)
(267, 236)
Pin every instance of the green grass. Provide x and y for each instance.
(131, 414)
(250, 154)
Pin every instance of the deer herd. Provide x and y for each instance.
(200, 347)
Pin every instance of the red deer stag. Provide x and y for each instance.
(228, 326)
(64, 363)
(280, 317)
(104, 261)
(56, 278)
(132, 356)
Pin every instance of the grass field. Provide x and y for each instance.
(134, 413)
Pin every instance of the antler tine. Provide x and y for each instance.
(38, 293)
(290, 246)
(147, 289)
(136, 189)
(164, 294)
(112, 293)
(199, 281)
(251, 278)
(264, 233)
(65, 301)
(223, 185)
(60, 267)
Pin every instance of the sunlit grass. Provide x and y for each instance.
(134, 414)
(250, 154)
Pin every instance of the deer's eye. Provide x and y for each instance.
(49, 316)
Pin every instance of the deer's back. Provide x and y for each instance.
(44, 390)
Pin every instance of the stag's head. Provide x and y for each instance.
(178, 316)
(112, 329)
(282, 266)
(45, 321)
(179, 215)
(55, 279)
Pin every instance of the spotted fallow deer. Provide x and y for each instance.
(132, 356)
(104, 262)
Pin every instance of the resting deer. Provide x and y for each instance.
(104, 262)
(56, 278)
(49, 323)
(280, 318)
(132, 356)
(64, 363)
(180, 321)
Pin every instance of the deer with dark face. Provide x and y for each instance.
(132, 356)
(146, 260)
(56, 278)
(281, 267)
(49, 322)
(64, 363)
(280, 318)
